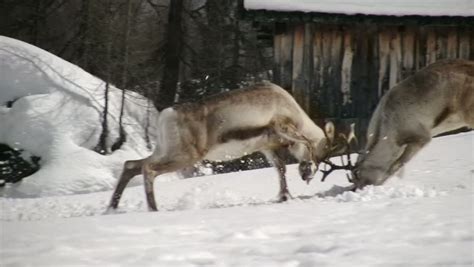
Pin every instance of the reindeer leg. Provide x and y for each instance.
(401, 172)
(149, 176)
(308, 165)
(131, 168)
(410, 151)
(276, 158)
(153, 169)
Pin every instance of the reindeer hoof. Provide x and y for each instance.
(109, 211)
(284, 197)
(153, 209)
(112, 210)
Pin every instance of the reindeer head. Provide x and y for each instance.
(375, 165)
(332, 145)
(384, 154)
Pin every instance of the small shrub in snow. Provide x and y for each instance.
(15, 165)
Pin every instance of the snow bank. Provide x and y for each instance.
(370, 7)
(56, 114)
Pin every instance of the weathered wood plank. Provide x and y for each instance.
(361, 74)
(277, 50)
(441, 43)
(297, 86)
(408, 52)
(317, 82)
(395, 57)
(307, 65)
(346, 69)
(431, 46)
(471, 53)
(325, 70)
(335, 69)
(420, 52)
(383, 57)
(286, 58)
(464, 43)
(373, 65)
(452, 43)
(363, 77)
(317, 56)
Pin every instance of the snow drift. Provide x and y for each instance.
(56, 115)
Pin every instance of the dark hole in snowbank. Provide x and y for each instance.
(250, 162)
(13, 167)
(9, 104)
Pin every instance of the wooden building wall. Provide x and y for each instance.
(339, 72)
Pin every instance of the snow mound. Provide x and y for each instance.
(53, 109)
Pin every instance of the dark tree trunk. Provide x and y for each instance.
(235, 68)
(173, 47)
(36, 23)
(101, 146)
(122, 135)
(84, 33)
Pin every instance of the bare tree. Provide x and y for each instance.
(122, 135)
(84, 33)
(101, 146)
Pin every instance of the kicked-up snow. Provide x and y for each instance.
(422, 219)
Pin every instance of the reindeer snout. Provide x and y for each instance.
(307, 170)
(356, 179)
(368, 176)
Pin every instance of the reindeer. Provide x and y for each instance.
(436, 99)
(262, 118)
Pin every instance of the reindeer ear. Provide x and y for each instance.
(329, 130)
(352, 137)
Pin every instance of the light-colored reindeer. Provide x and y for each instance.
(436, 99)
(262, 118)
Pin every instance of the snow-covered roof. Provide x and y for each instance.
(463, 8)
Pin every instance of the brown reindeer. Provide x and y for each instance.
(436, 99)
(262, 118)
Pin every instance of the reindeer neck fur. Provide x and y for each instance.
(437, 99)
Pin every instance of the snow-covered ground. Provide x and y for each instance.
(424, 219)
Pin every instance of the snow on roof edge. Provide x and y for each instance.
(433, 8)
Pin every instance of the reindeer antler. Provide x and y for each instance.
(345, 166)
(333, 167)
